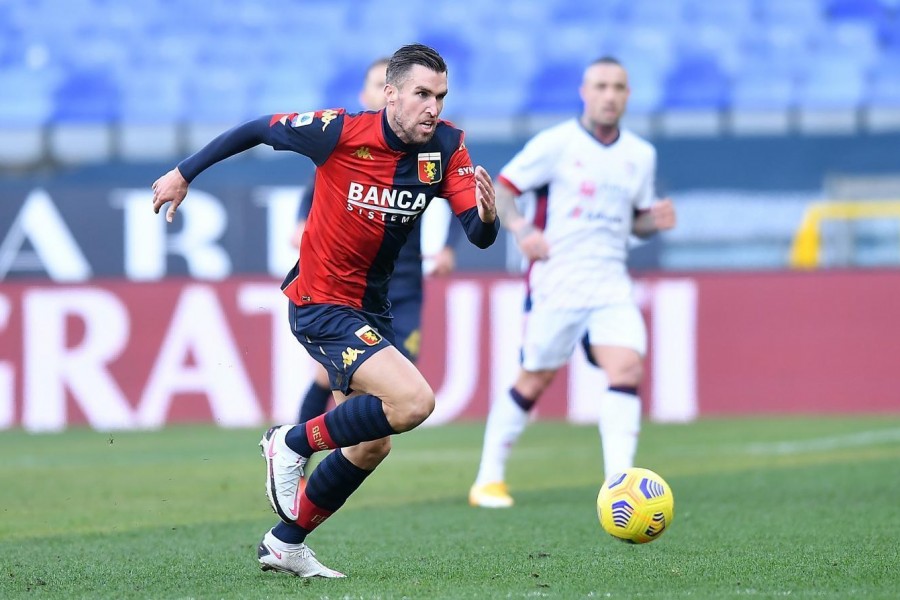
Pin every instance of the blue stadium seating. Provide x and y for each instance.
(554, 89)
(698, 82)
(27, 98)
(884, 84)
(832, 83)
(869, 10)
(100, 61)
(89, 96)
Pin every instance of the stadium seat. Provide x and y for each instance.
(729, 15)
(89, 96)
(24, 114)
(554, 89)
(831, 84)
(32, 102)
(343, 88)
(869, 10)
(884, 85)
(652, 46)
(889, 36)
(646, 82)
(151, 96)
(697, 82)
(669, 13)
(456, 51)
(218, 96)
(799, 14)
(763, 88)
(848, 40)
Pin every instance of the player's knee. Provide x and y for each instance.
(417, 407)
(629, 373)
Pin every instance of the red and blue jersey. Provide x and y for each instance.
(370, 189)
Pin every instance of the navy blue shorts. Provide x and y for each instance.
(340, 338)
(407, 323)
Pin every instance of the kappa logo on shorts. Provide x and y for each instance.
(369, 336)
(350, 355)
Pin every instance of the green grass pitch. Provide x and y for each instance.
(764, 508)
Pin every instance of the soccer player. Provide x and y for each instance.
(405, 289)
(376, 173)
(599, 184)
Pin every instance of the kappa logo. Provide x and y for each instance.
(327, 116)
(413, 343)
(369, 336)
(363, 153)
(350, 355)
(430, 170)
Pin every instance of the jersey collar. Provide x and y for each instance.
(596, 139)
(393, 140)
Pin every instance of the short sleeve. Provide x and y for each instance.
(533, 166)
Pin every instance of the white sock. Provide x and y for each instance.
(505, 423)
(620, 424)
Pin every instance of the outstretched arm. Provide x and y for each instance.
(173, 186)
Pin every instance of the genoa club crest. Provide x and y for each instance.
(430, 170)
(369, 336)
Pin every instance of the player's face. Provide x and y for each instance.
(605, 93)
(415, 105)
(371, 97)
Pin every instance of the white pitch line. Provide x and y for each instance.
(852, 440)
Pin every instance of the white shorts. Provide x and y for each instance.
(552, 333)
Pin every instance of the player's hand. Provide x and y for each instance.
(532, 243)
(484, 195)
(171, 187)
(444, 261)
(663, 214)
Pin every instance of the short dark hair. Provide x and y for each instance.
(606, 60)
(413, 54)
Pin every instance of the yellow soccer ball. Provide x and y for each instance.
(635, 506)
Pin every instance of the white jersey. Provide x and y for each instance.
(593, 191)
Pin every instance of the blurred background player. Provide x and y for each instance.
(405, 289)
(377, 171)
(599, 180)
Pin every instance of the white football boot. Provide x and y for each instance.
(296, 559)
(284, 473)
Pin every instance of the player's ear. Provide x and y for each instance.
(390, 92)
